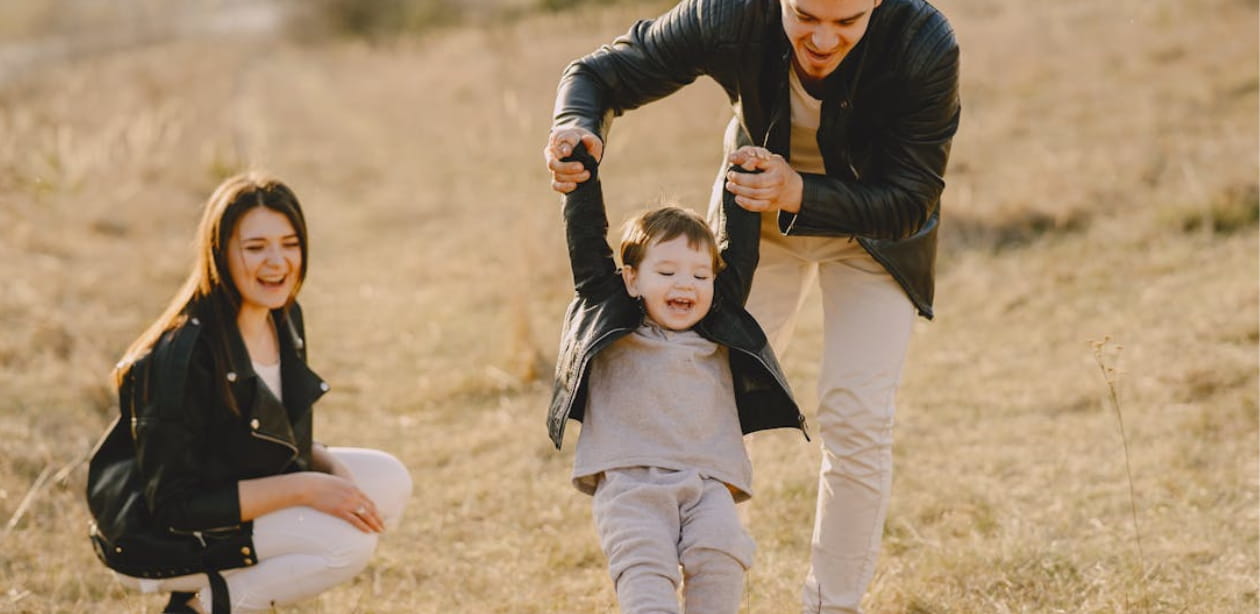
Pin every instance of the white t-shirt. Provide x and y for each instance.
(270, 375)
(806, 158)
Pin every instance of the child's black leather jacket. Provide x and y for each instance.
(603, 311)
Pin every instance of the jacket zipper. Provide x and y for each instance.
(200, 534)
(292, 448)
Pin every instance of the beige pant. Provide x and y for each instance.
(867, 320)
(303, 552)
(652, 521)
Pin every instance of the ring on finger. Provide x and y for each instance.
(359, 511)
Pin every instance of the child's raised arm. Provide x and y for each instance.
(586, 230)
(738, 233)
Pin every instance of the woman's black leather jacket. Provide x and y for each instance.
(173, 485)
(603, 311)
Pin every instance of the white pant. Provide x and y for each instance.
(302, 551)
(867, 320)
(652, 520)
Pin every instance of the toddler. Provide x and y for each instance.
(666, 372)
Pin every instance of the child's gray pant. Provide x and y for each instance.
(652, 520)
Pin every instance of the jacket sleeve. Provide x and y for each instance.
(653, 59)
(586, 231)
(173, 441)
(739, 236)
(911, 157)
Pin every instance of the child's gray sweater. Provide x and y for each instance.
(662, 398)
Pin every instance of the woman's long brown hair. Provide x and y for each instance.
(209, 291)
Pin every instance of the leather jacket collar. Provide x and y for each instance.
(283, 423)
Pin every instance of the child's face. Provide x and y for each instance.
(675, 281)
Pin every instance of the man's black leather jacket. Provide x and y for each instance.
(889, 113)
(603, 311)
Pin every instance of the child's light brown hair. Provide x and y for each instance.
(665, 224)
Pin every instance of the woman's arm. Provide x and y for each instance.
(172, 422)
(172, 445)
(334, 495)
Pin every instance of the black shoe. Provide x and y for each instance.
(179, 604)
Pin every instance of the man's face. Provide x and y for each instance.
(823, 31)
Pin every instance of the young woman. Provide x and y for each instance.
(224, 460)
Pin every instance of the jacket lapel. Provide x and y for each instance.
(284, 423)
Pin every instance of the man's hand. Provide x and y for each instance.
(777, 186)
(566, 175)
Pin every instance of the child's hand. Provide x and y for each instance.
(560, 144)
(748, 157)
(774, 184)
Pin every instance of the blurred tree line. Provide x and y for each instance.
(376, 19)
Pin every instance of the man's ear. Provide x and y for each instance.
(631, 277)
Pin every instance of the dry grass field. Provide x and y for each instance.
(1103, 186)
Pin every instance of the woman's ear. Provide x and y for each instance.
(630, 276)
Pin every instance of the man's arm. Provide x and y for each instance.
(910, 159)
(652, 60)
(912, 156)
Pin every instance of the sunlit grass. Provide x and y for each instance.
(1103, 183)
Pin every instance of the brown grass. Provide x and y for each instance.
(1092, 132)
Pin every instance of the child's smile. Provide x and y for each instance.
(675, 281)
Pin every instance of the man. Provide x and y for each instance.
(856, 102)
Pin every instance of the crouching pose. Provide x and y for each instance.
(666, 372)
(210, 486)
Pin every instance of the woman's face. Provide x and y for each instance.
(264, 259)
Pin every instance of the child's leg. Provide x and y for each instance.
(636, 515)
(715, 551)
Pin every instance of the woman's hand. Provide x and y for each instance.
(334, 495)
(338, 496)
(777, 186)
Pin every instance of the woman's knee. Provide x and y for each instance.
(381, 476)
(351, 551)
